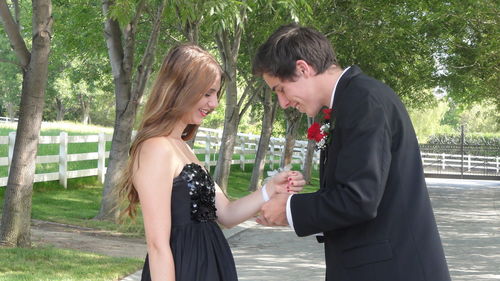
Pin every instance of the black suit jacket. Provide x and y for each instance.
(372, 205)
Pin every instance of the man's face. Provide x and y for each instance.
(298, 93)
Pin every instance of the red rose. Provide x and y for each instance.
(314, 132)
(327, 112)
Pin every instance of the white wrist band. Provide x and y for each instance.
(265, 196)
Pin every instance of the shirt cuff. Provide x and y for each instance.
(289, 213)
(265, 196)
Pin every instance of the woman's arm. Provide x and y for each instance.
(153, 177)
(231, 213)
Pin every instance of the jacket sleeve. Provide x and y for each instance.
(352, 195)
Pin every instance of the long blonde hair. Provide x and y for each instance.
(186, 74)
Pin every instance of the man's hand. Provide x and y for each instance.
(273, 212)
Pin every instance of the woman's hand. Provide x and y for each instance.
(285, 182)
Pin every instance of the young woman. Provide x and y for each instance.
(181, 204)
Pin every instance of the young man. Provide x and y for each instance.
(372, 206)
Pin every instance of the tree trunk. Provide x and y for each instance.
(15, 227)
(59, 109)
(122, 134)
(270, 108)
(308, 162)
(11, 114)
(191, 141)
(229, 47)
(128, 93)
(231, 122)
(85, 107)
(292, 123)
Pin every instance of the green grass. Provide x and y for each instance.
(48, 264)
(239, 180)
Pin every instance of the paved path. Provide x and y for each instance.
(467, 212)
(468, 217)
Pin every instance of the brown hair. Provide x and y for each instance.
(186, 74)
(289, 43)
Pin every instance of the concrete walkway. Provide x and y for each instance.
(468, 216)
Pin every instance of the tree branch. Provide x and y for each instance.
(129, 34)
(113, 35)
(144, 68)
(11, 62)
(12, 30)
(238, 31)
(253, 92)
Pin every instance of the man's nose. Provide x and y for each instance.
(284, 102)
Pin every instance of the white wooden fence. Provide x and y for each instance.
(454, 164)
(208, 142)
(208, 139)
(7, 119)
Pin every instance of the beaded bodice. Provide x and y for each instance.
(201, 190)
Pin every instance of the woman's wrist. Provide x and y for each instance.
(265, 195)
(268, 190)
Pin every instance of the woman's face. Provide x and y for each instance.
(207, 104)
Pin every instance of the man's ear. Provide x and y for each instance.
(302, 68)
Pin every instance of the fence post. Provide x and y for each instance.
(63, 159)
(271, 154)
(101, 157)
(10, 155)
(317, 159)
(468, 163)
(303, 152)
(207, 150)
(443, 158)
(242, 152)
(498, 164)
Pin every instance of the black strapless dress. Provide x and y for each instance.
(199, 248)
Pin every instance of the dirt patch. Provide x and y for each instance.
(86, 239)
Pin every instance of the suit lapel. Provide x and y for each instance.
(352, 72)
(322, 156)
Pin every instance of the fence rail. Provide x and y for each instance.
(207, 145)
(465, 161)
(7, 119)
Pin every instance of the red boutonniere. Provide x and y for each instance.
(321, 133)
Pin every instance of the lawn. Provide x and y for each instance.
(48, 264)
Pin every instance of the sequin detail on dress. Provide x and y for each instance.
(202, 192)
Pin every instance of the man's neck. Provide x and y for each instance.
(327, 82)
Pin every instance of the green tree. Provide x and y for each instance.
(469, 56)
(418, 45)
(393, 42)
(130, 78)
(10, 76)
(79, 72)
(16, 218)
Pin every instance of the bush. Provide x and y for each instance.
(472, 139)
